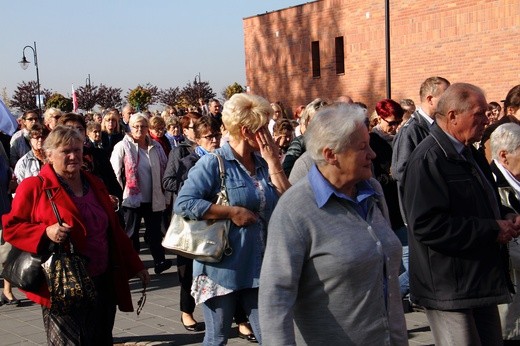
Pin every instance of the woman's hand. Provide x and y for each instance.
(268, 147)
(242, 216)
(57, 233)
(144, 276)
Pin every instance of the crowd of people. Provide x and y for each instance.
(340, 220)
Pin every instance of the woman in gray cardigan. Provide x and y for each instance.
(332, 261)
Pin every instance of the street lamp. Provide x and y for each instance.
(198, 86)
(88, 86)
(25, 64)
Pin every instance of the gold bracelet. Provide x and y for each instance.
(277, 172)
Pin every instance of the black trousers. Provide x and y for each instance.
(153, 232)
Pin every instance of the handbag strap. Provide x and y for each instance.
(60, 247)
(222, 172)
(53, 205)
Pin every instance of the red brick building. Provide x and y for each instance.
(329, 48)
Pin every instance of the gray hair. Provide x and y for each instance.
(505, 137)
(61, 135)
(137, 117)
(333, 127)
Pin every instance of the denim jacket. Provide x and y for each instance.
(242, 268)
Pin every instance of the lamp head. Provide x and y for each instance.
(24, 63)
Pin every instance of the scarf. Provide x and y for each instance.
(131, 163)
(386, 136)
(201, 151)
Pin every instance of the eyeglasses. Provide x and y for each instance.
(160, 129)
(31, 119)
(141, 301)
(37, 137)
(140, 127)
(212, 136)
(393, 123)
(56, 117)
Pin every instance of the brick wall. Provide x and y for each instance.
(475, 41)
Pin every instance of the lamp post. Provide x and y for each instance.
(198, 86)
(87, 82)
(387, 50)
(88, 86)
(25, 64)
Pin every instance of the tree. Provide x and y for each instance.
(170, 97)
(232, 89)
(154, 92)
(108, 97)
(59, 101)
(192, 92)
(5, 97)
(139, 98)
(24, 97)
(87, 97)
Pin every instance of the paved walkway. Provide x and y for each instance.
(158, 324)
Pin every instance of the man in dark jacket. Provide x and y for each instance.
(457, 229)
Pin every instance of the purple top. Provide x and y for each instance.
(96, 221)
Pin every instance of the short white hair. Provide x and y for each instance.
(505, 137)
(333, 127)
(136, 117)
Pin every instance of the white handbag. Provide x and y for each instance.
(204, 240)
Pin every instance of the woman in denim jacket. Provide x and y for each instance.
(254, 181)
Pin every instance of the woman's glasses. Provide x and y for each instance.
(212, 136)
(393, 123)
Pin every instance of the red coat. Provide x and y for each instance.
(31, 213)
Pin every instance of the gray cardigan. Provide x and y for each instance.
(324, 269)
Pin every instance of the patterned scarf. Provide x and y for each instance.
(131, 163)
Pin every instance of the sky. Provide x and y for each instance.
(124, 43)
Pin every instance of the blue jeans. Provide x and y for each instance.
(404, 278)
(219, 312)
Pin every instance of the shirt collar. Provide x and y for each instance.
(459, 147)
(425, 116)
(323, 190)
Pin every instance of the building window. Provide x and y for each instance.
(340, 55)
(315, 47)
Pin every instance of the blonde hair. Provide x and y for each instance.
(156, 121)
(247, 110)
(111, 114)
(51, 112)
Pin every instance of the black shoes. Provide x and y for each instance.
(249, 337)
(162, 266)
(6, 301)
(197, 327)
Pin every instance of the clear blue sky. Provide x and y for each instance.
(123, 43)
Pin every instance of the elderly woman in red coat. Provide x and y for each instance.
(90, 224)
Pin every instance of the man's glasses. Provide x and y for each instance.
(212, 136)
(141, 301)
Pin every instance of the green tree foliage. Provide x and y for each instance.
(108, 97)
(191, 93)
(59, 101)
(170, 97)
(139, 98)
(24, 97)
(87, 96)
(232, 89)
